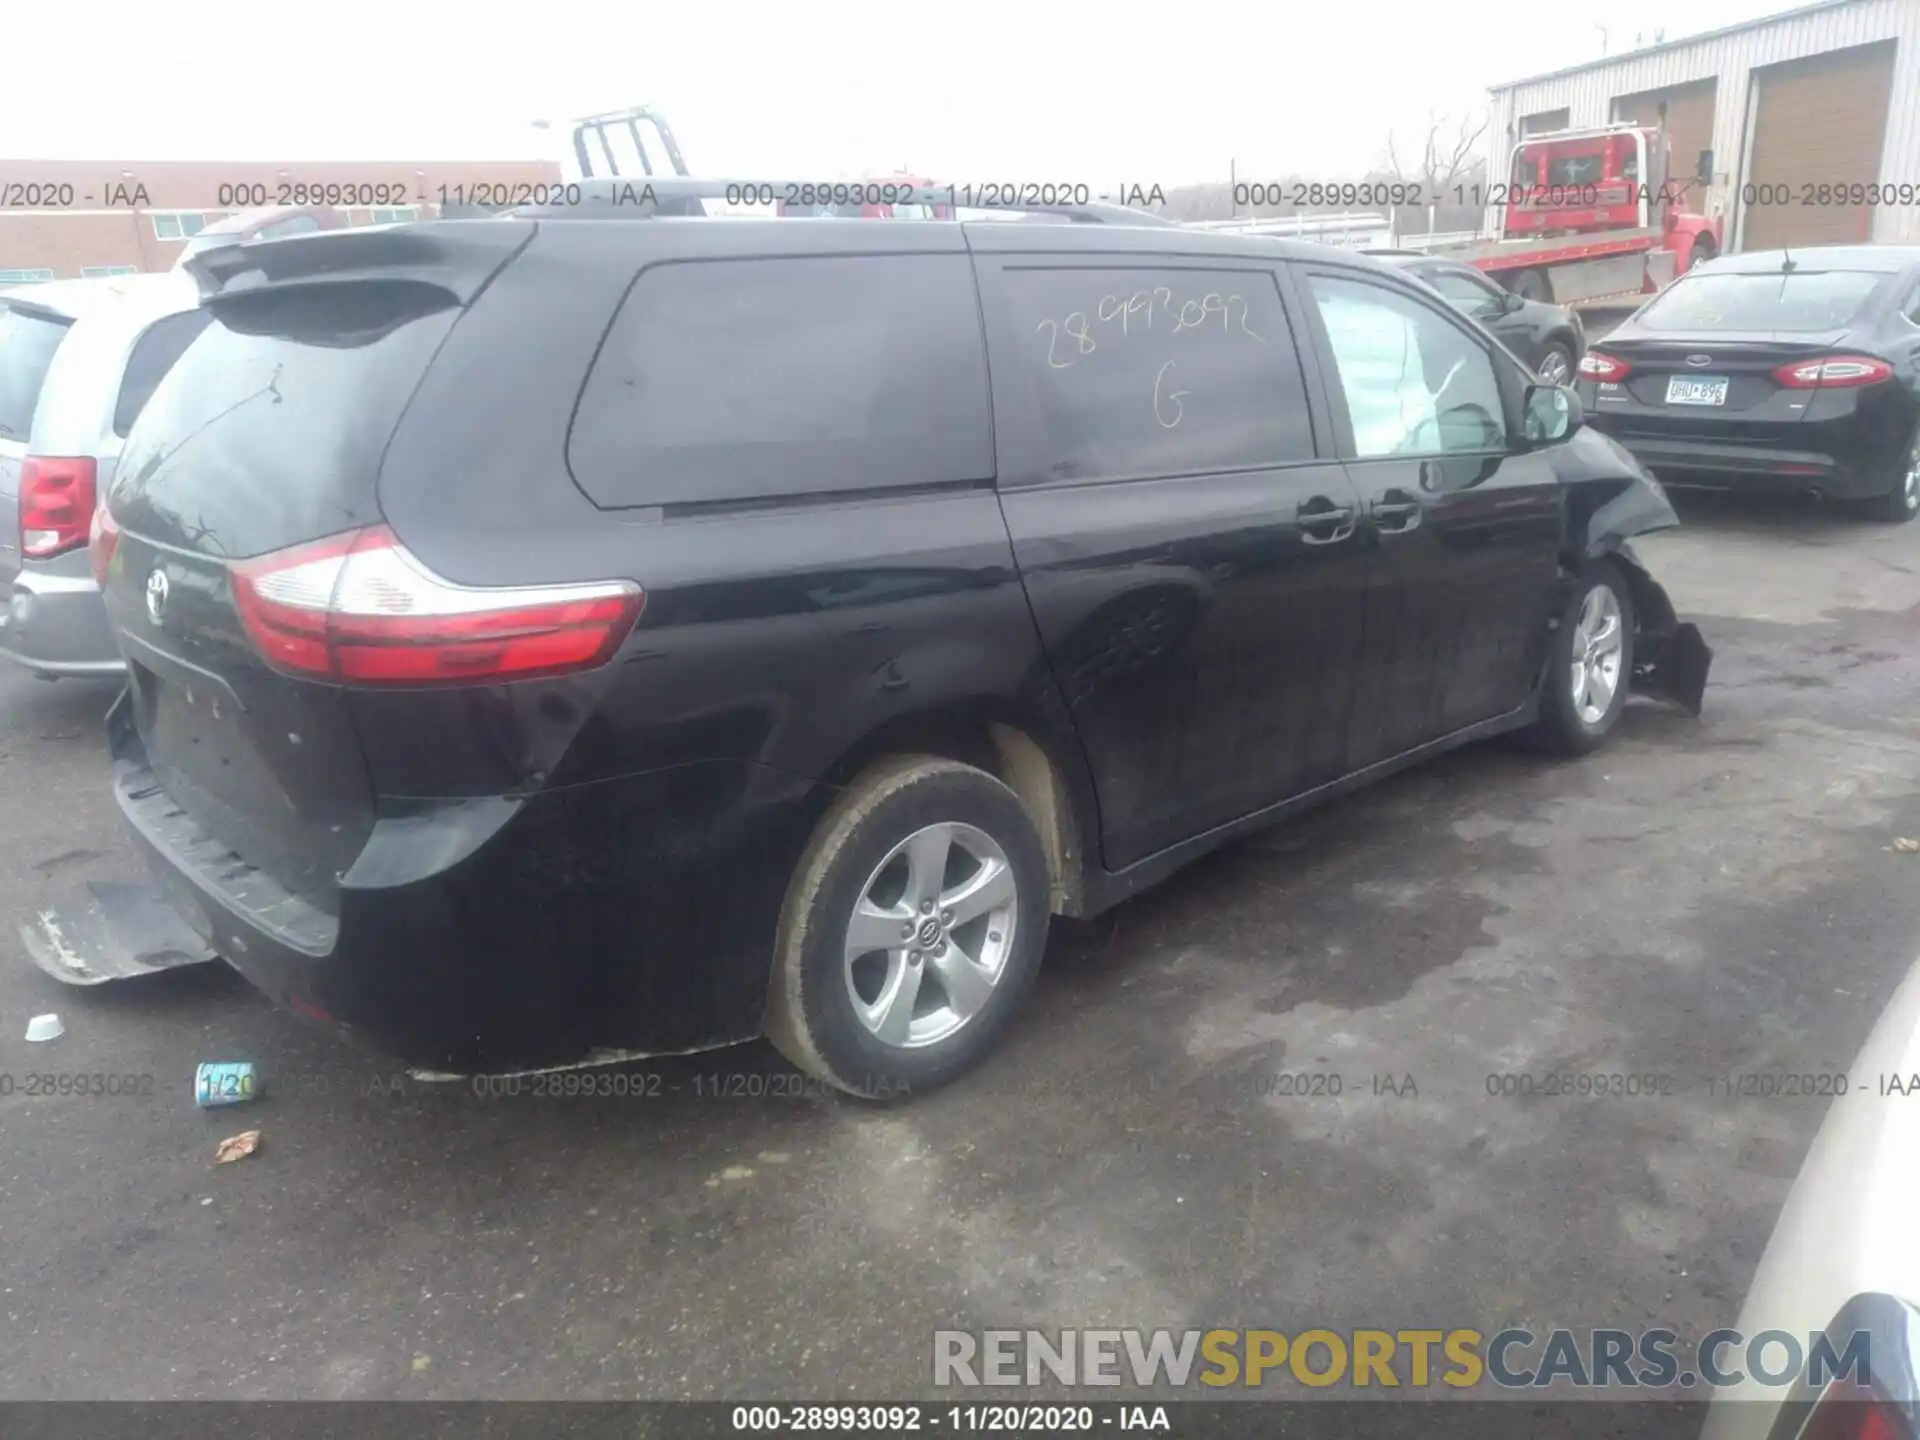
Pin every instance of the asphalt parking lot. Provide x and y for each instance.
(1702, 898)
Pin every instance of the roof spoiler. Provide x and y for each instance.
(459, 259)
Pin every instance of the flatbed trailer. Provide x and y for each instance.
(1583, 270)
(1589, 219)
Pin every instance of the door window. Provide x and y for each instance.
(1414, 382)
(1137, 372)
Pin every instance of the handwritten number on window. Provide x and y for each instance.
(1055, 335)
(1170, 397)
(1233, 311)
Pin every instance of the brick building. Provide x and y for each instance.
(61, 219)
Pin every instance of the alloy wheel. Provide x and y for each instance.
(1554, 367)
(930, 935)
(1599, 641)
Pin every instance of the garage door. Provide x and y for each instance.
(1817, 122)
(1689, 123)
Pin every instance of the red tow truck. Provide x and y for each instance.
(1589, 216)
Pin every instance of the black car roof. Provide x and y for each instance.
(461, 254)
(1886, 259)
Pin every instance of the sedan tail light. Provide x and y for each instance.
(1844, 1412)
(56, 504)
(101, 542)
(360, 608)
(1597, 366)
(1833, 372)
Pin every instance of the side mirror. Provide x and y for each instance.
(1551, 414)
(1511, 301)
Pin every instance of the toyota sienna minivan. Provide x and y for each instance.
(554, 638)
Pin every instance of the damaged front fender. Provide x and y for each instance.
(1613, 499)
(1670, 657)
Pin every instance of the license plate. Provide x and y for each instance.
(1697, 390)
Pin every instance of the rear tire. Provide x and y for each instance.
(1582, 701)
(1703, 251)
(1902, 502)
(912, 930)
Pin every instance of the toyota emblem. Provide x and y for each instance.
(1699, 361)
(156, 595)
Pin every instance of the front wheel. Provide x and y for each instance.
(1556, 363)
(1590, 664)
(1901, 503)
(912, 930)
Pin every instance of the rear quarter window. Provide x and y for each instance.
(752, 379)
(27, 344)
(270, 428)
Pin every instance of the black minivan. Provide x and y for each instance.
(556, 638)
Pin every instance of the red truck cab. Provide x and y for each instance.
(1590, 182)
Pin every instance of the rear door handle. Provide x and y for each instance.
(1322, 522)
(1395, 513)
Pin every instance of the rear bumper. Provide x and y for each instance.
(57, 625)
(1710, 465)
(635, 915)
(1850, 445)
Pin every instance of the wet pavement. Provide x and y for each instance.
(1701, 899)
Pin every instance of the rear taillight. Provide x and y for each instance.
(359, 608)
(1849, 1412)
(1833, 372)
(104, 536)
(56, 504)
(1596, 366)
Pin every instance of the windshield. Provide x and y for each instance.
(1800, 300)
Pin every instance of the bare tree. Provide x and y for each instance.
(1451, 150)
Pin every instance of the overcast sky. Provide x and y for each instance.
(1137, 92)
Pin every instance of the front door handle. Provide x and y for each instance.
(1322, 522)
(1395, 513)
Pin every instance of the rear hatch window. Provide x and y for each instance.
(266, 433)
(1803, 300)
(269, 429)
(28, 339)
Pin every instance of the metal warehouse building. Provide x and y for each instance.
(1828, 94)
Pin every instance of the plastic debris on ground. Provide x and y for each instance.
(42, 1028)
